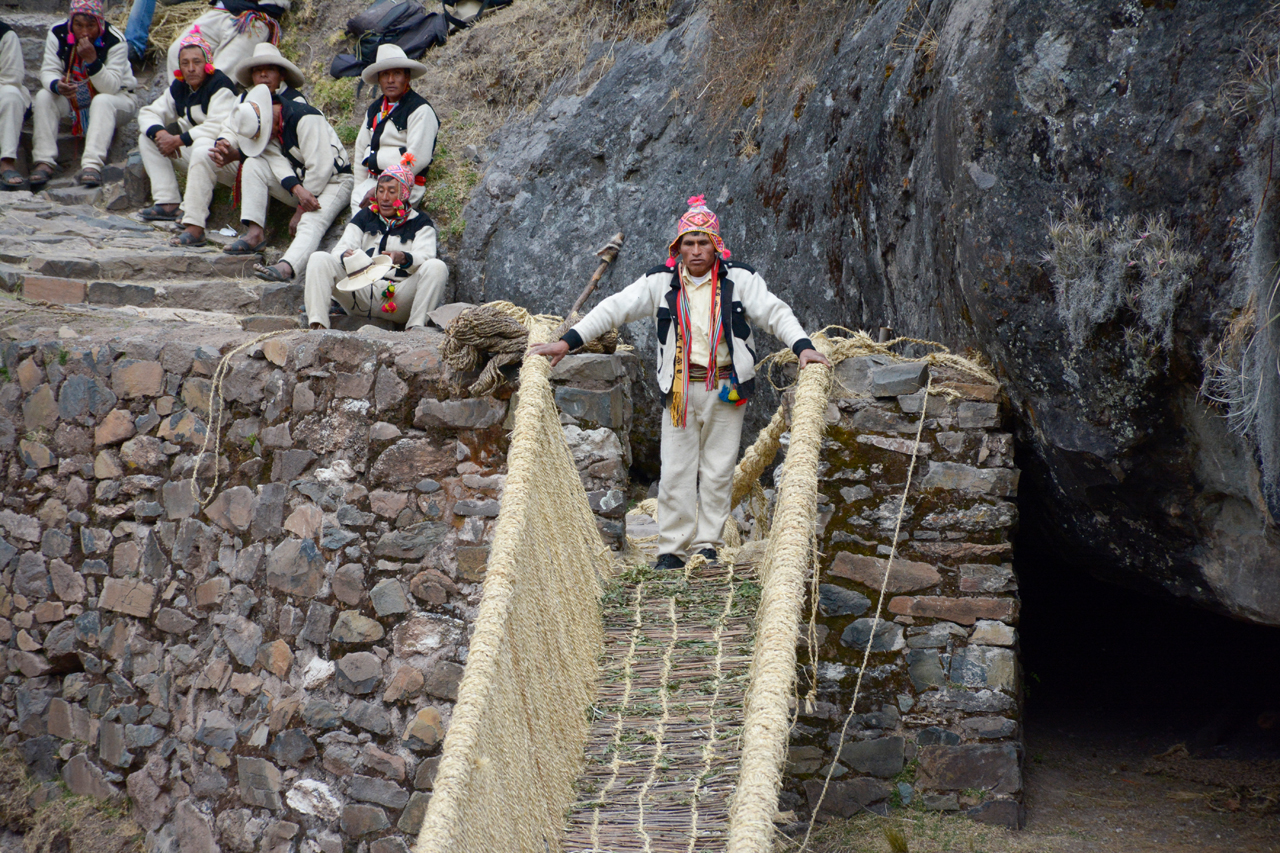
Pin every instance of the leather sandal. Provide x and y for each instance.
(271, 273)
(243, 247)
(156, 213)
(188, 240)
(40, 175)
(89, 178)
(11, 179)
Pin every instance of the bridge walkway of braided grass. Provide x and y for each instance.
(642, 712)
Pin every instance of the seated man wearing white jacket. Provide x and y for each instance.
(14, 101)
(179, 127)
(234, 28)
(85, 75)
(700, 304)
(294, 155)
(398, 123)
(389, 226)
(221, 161)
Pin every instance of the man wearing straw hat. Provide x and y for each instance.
(404, 286)
(703, 306)
(220, 163)
(233, 28)
(179, 127)
(292, 154)
(85, 76)
(397, 123)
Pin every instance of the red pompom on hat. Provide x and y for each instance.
(697, 218)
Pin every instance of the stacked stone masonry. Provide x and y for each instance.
(273, 671)
(939, 714)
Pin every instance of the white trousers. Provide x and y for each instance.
(229, 47)
(697, 472)
(414, 297)
(162, 170)
(202, 177)
(106, 112)
(258, 185)
(13, 106)
(366, 187)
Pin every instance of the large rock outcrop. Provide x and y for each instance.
(928, 180)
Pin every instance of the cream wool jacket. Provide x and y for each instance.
(199, 114)
(109, 73)
(310, 154)
(411, 126)
(744, 299)
(367, 231)
(11, 66)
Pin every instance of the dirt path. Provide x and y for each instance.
(1087, 791)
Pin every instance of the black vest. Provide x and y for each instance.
(5, 29)
(292, 113)
(239, 7)
(371, 223)
(185, 100)
(399, 116)
(107, 40)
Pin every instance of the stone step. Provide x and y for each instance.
(231, 296)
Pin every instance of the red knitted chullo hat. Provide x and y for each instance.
(697, 218)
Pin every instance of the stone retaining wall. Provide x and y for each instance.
(274, 671)
(940, 710)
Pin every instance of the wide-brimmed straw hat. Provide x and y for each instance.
(266, 53)
(391, 56)
(252, 119)
(363, 270)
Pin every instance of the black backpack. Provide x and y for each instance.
(405, 24)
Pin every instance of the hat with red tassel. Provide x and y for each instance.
(698, 218)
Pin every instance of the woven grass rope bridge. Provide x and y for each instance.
(615, 709)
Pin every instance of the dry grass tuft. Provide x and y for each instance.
(1253, 88)
(15, 792)
(83, 825)
(759, 47)
(1229, 382)
(1099, 266)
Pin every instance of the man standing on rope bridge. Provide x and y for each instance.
(701, 304)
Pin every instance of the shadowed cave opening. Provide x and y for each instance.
(1104, 660)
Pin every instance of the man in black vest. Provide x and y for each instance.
(398, 123)
(221, 162)
(179, 126)
(702, 306)
(291, 154)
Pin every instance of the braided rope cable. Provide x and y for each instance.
(767, 725)
(516, 740)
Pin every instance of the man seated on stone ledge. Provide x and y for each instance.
(388, 226)
(179, 127)
(14, 101)
(399, 122)
(221, 163)
(86, 76)
(700, 304)
(292, 154)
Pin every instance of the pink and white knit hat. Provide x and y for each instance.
(697, 218)
(403, 173)
(195, 38)
(92, 8)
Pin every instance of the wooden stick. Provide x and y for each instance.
(607, 256)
